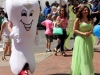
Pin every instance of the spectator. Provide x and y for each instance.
(6, 38)
(96, 11)
(47, 9)
(3, 16)
(82, 59)
(61, 22)
(40, 6)
(54, 11)
(49, 32)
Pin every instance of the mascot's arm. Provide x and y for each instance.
(37, 38)
(13, 34)
(37, 31)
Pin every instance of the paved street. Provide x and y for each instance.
(41, 48)
(47, 63)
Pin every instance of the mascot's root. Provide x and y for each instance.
(25, 70)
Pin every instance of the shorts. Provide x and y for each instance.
(5, 39)
(49, 38)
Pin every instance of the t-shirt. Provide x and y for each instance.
(4, 19)
(94, 9)
(49, 26)
(47, 10)
(64, 23)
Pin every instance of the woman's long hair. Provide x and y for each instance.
(79, 13)
(65, 13)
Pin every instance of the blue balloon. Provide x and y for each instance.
(96, 30)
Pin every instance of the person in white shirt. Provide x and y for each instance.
(5, 37)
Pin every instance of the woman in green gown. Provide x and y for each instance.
(82, 59)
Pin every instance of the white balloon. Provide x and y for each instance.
(24, 16)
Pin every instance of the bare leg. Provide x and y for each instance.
(49, 45)
(46, 44)
(5, 51)
(9, 50)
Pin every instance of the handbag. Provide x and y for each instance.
(57, 31)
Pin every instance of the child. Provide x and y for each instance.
(6, 39)
(49, 35)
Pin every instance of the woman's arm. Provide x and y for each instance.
(59, 21)
(75, 29)
(10, 26)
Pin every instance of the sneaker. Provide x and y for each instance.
(48, 50)
(24, 72)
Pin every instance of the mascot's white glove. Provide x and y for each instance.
(37, 40)
(15, 36)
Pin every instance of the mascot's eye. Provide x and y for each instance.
(31, 13)
(23, 13)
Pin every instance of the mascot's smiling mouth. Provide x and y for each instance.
(27, 26)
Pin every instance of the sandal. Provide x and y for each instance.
(56, 53)
(55, 50)
(3, 58)
(63, 53)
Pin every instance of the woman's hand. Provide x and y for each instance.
(62, 20)
(87, 34)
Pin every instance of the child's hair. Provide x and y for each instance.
(75, 8)
(2, 12)
(49, 16)
(6, 15)
(54, 7)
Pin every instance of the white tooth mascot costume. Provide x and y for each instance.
(24, 16)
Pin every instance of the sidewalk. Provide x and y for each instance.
(56, 65)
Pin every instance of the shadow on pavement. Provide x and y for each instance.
(58, 74)
(69, 74)
(97, 73)
(96, 50)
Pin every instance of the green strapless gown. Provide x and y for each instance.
(82, 59)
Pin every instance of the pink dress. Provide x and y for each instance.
(49, 26)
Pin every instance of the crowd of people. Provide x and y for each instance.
(75, 20)
(63, 16)
(78, 21)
